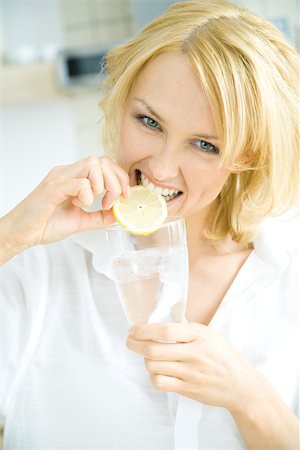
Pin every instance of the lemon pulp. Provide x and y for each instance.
(142, 212)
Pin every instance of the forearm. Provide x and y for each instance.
(8, 246)
(266, 423)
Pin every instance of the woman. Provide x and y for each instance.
(202, 103)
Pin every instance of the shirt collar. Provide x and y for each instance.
(272, 243)
(95, 242)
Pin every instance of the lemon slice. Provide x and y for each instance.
(142, 212)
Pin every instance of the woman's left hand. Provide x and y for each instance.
(194, 361)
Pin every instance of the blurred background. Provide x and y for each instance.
(50, 52)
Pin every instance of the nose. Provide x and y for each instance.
(164, 163)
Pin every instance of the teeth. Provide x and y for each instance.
(167, 193)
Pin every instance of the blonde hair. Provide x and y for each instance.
(250, 74)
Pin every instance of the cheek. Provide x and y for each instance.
(208, 182)
(124, 137)
(218, 179)
(134, 145)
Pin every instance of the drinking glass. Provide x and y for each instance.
(151, 272)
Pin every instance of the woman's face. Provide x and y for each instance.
(168, 139)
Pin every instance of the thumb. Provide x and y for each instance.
(108, 218)
(96, 220)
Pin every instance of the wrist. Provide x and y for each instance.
(250, 395)
(263, 419)
(247, 384)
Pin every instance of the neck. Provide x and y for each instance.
(200, 245)
(195, 226)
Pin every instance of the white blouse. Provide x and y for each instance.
(68, 382)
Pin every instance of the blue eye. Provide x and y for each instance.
(207, 147)
(148, 122)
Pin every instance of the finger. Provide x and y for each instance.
(105, 166)
(81, 190)
(167, 384)
(107, 175)
(95, 220)
(158, 351)
(95, 177)
(89, 168)
(78, 188)
(176, 369)
(109, 199)
(78, 169)
(112, 185)
(78, 203)
(123, 179)
(102, 173)
(166, 332)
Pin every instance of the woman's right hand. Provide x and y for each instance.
(54, 211)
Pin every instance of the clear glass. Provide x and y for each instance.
(151, 272)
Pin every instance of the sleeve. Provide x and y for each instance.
(20, 293)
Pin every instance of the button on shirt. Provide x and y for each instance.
(68, 382)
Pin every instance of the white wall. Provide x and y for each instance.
(285, 14)
(32, 29)
(33, 139)
(145, 10)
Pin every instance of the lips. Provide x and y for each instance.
(168, 193)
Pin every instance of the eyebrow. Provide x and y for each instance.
(208, 136)
(153, 113)
(150, 109)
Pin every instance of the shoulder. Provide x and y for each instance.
(26, 276)
(278, 253)
(278, 241)
(36, 265)
(39, 257)
(64, 250)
